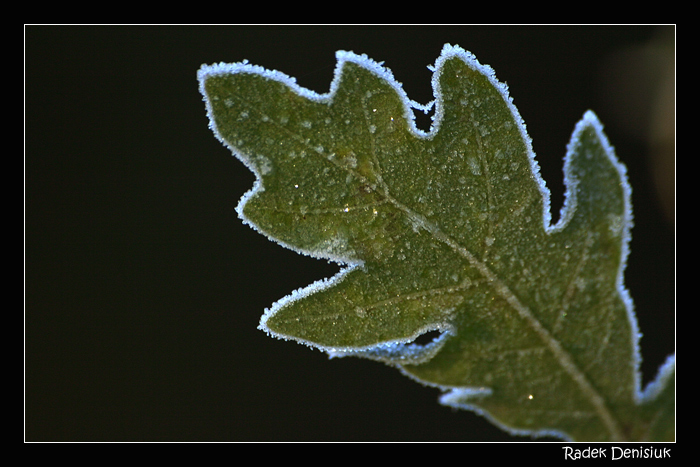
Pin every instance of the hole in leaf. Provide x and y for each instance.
(427, 338)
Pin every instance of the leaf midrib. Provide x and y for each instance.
(565, 360)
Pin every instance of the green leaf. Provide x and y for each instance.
(447, 233)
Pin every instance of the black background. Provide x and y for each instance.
(143, 290)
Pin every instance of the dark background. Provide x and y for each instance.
(143, 290)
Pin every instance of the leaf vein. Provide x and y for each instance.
(565, 360)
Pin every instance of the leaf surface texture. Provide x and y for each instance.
(445, 233)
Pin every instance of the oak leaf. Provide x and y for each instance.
(448, 233)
